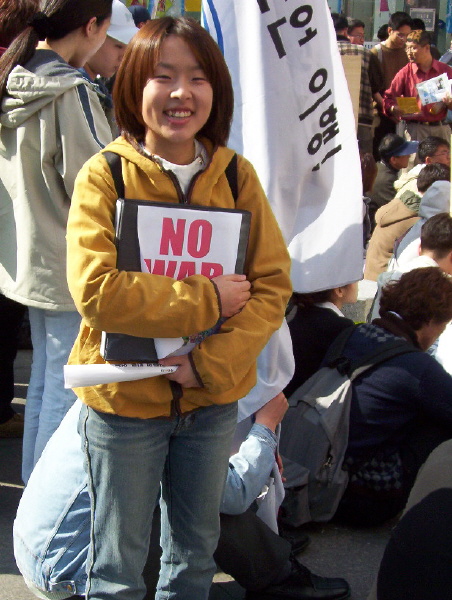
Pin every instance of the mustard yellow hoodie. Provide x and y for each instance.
(147, 305)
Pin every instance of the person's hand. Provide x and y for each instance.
(447, 100)
(272, 413)
(280, 466)
(234, 293)
(184, 374)
(396, 113)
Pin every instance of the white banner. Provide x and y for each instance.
(293, 120)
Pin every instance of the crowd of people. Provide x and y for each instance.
(82, 81)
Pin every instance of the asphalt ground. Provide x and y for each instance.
(335, 551)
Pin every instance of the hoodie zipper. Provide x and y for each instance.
(182, 198)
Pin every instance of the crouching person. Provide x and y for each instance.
(401, 410)
(52, 527)
(250, 549)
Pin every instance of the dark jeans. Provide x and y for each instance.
(368, 508)
(250, 551)
(11, 315)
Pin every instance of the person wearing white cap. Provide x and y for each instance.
(107, 59)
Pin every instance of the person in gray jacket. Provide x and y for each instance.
(51, 122)
(435, 200)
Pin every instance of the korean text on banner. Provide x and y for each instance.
(293, 119)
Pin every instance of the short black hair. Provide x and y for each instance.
(352, 23)
(418, 24)
(429, 146)
(432, 173)
(436, 235)
(388, 144)
(340, 22)
(382, 33)
(399, 19)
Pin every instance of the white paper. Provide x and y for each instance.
(87, 375)
(434, 89)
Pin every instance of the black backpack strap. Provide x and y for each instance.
(334, 357)
(232, 177)
(385, 352)
(114, 162)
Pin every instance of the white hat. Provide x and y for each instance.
(122, 26)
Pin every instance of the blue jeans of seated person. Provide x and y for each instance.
(52, 528)
(53, 334)
(126, 458)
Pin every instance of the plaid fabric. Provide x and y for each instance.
(381, 473)
(376, 333)
(365, 116)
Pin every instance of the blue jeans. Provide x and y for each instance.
(126, 458)
(53, 334)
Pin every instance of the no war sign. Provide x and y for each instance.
(179, 241)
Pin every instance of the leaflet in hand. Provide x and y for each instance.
(177, 241)
(408, 105)
(434, 90)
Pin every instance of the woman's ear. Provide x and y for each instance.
(91, 27)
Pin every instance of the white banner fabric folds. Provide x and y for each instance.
(293, 119)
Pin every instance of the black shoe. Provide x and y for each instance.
(303, 585)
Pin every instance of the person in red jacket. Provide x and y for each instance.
(429, 120)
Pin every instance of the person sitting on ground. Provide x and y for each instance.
(432, 149)
(394, 153)
(52, 541)
(395, 218)
(435, 251)
(267, 568)
(435, 200)
(401, 409)
(315, 320)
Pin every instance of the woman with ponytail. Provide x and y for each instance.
(51, 122)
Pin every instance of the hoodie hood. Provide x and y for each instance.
(435, 200)
(398, 210)
(31, 87)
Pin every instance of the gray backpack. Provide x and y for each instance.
(314, 432)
